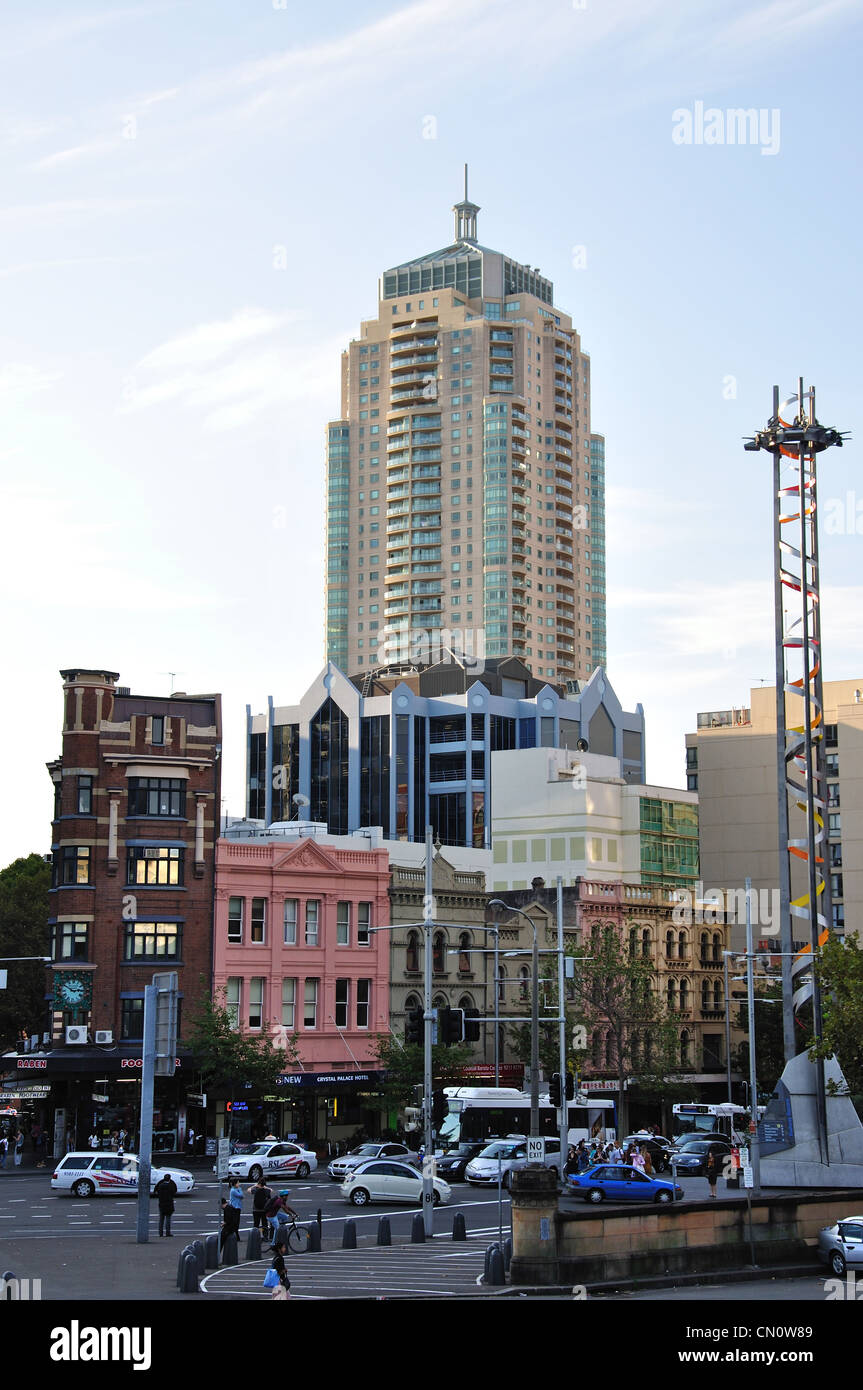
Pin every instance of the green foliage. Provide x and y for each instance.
(403, 1064)
(228, 1059)
(840, 973)
(24, 912)
(769, 1038)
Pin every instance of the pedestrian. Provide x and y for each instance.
(638, 1160)
(190, 1140)
(4, 1145)
(712, 1170)
(281, 1289)
(233, 1210)
(166, 1190)
(94, 1142)
(19, 1148)
(571, 1165)
(261, 1197)
(647, 1162)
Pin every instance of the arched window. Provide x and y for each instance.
(439, 1001)
(684, 1049)
(523, 982)
(669, 945)
(645, 942)
(684, 996)
(705, 994)
(501, 984)
(635, 1051)
(464, 953)
(412, 961)
(670, 994)
(682, 945)
(717, 995)
(633, 945)
(466, 1002)
(717, 946)
(439, 953)
(412, 1002)
(705, 947)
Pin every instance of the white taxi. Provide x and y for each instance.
(280, 1159)
(85, 1174)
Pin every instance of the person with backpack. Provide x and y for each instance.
(261, 1196)
(280, 1214)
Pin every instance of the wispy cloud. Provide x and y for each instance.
(22, 379)
(71, 207)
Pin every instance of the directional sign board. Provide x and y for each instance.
(222, 1156)
(748, 1177)
(536, 1150)
(3, 977)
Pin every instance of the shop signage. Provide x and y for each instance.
(32, 1064)
(12, 1089)
(100, 1100)
(329, 1078)
(139, 1062)
(196, 1098)
(599, 1085)
(233, 1105)
(508, 1071)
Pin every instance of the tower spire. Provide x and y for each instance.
(465, 216)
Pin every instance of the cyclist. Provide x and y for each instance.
(280, 1213)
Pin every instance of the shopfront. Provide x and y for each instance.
(319, 1110)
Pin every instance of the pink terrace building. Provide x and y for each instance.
(294, 954)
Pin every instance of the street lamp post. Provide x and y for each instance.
(534, 1020)
(495, 931)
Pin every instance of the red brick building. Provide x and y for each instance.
(137, 798)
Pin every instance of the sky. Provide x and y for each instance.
(197, 200)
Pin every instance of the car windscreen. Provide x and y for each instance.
(499, 1151)
(369, 1149)
(260, 1149)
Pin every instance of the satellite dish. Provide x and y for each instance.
(300, 800)
(581, 745)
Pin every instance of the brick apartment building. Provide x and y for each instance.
(136, 802)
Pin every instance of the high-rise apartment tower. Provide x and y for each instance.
(465, 491)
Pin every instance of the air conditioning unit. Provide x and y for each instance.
(104, 1036)
(76, 1033)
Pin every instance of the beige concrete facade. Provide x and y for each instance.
(731, 761)
(462, 510)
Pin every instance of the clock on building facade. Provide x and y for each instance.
(72, 991)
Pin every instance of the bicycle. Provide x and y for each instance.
(297, 1238)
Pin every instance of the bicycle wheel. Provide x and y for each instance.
(298, 1240)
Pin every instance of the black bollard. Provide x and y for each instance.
(253, 1244)
(459, 1230)
(418, 1230)
(489, 1251)
(314, 1231)
(507, 1253)
(189, 1281)
(320, 1219)
(496, 1274)
(230, 1253)
(384, 1231)
(280, 1239)
(197, 1248)
(187, 1250)
(7, 1276)
(211, 1251)
(349, 1236)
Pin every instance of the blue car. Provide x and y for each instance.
(620, 1183)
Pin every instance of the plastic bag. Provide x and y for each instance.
(271, 1279)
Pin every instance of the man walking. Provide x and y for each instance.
(261, 1198)
(166, 1191)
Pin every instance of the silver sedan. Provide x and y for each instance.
(841, 1246)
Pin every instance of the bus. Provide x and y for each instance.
(494, 1112)
(692, 1119)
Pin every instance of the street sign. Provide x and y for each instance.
(196, 1098)
(222, 1156)
(748, 1177)
(536, 1150)
(4, 974)
(166, 1022)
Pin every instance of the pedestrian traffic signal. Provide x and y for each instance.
(438, 1109)
(554, 1090)
(450, 1026)
(414, 1026)
(570, 1086)
(471, 1025)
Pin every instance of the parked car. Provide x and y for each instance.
(506, 1156)
(452, 1163)
(842, 1245)
(280, 1159)
(619, 1183)
(339, 1167)
(384, 1180)
(658, 1148)
(690, 1159)
(85, 1174)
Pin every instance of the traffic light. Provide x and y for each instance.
(450, 1026)
(414, 1026)
(554, 1090)
(438, 1109)
(471, 1028)
(570, 1086)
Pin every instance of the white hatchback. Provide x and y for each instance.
(85, 1174)
(384, 1180)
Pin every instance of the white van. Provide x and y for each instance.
(85, 1174)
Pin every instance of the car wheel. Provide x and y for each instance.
(83, 1188)
(303, 1170)
(663, 1198)
(595, 1195)
(256, 1172)
(359, 1197)
(837, 1262)
(437, 1198)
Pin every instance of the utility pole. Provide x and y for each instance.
(753, 1085)
(564, 1103)
(428, 1038)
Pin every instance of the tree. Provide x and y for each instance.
(840, 974)
(629, 1028)
(230, 1060)
(404, 1067)
(24, 913)
(769, 1038)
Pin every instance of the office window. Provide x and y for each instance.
(85, 796)
(157, 796)
(313, 912)
(289, 1003)
(343, 924)
(157, 729)
(153, 941)
(235, 920)
(131, 1018)
(154, 865)
(258, 929)
(73, 864)
(290, 921)
(233, 997)
(310, 1004)
(342, 992)
(69, 941)
(364, 988)
(364, 922)
(256, 1001)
